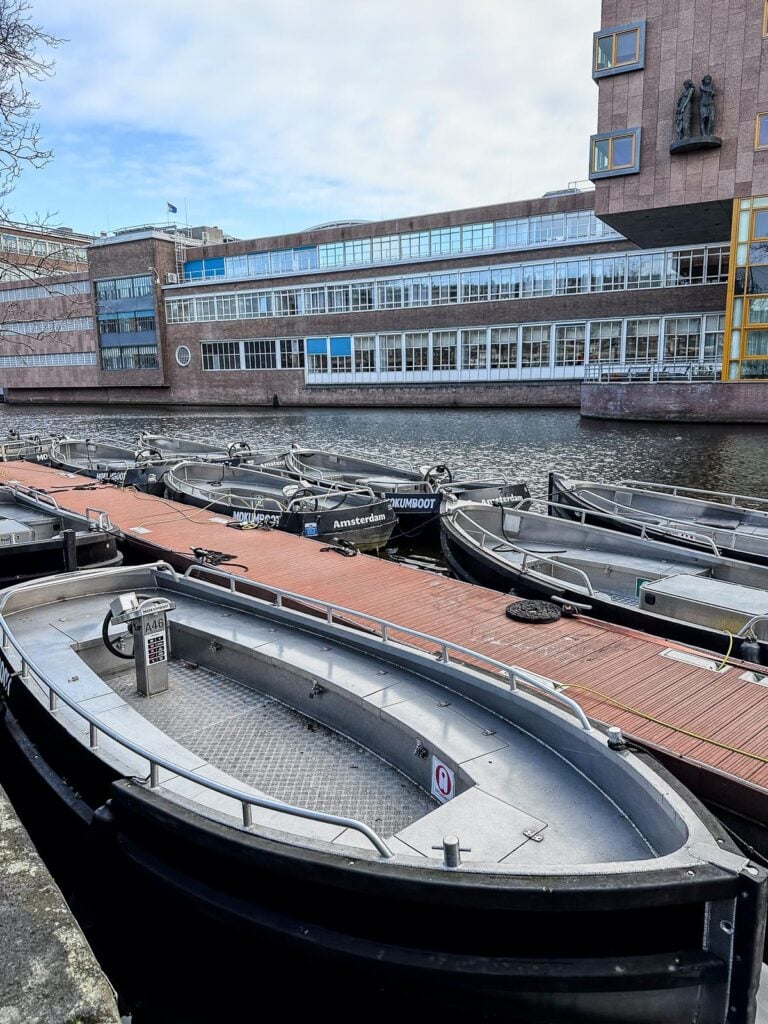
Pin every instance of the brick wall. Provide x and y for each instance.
(685, 403)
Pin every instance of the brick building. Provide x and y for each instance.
(516, 303)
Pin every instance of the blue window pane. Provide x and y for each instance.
(604, 52)
(317, 346)
(600, 155)
(626, 47)
(760, 228)
(339, 347)
(622, 151)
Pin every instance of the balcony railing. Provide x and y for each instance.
(651, 373)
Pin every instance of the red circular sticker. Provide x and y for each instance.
(443, 781)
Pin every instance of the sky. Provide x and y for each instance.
(270, 116)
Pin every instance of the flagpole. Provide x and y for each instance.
(186, 218)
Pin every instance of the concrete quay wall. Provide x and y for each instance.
(720, 402)
(48, 973)
(289, 389)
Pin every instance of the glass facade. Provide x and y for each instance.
(746, 355)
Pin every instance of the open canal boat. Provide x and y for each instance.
(736, 523)
(264, 499)
(108, 462)
(336, 807)
(695, 597)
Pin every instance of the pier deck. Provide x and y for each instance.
(714, 722)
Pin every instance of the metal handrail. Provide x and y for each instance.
(748, 625)
(156, 761)
(676, 490)
(528, 554)
(31, 492)
(512, 672)
(582, 513)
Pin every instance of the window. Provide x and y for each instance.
(642, 341)
(535, 346)
(390, 294)
(572, 277)
(503, 348)
(615, 153)
(391, 351)
(682, 338)
(365, 353)
(645, 270)
(538, 279)
(416, 291)
(609, 274)
(765, 18)
(619, 49)
(259, 354)
(286, 301)
(605, 341)
(338, 298)
(317, 355)
(714, 327)
(291, 353)
(445, 289)
(363, 296)
(444, 350)
(183, 355)
(129, 357)
(569, 344)
(505, 283)
(220, 355)
(761, 131)
(341, 355)
(417, 351)
(474, 349)
(474, 286)
(314, 300)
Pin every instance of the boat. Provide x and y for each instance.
(415, 492)
(255, 795)
(37, 538)
(695, 597)
(260, 498)
(109, 462)
(736, 523)
(17, 445)
(176, 449)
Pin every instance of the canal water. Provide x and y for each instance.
(518, 443)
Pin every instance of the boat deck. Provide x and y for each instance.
(711, 715)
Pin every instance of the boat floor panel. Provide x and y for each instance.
(265, 744)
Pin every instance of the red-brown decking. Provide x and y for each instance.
(715, 721)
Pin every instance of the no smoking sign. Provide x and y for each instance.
(443, 781)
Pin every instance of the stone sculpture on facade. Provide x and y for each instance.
(684, 110)
(707, 107)
(684, 142)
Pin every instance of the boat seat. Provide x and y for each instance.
(719, 522)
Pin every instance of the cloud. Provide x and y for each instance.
(283, 113)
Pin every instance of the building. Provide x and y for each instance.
(628, 286)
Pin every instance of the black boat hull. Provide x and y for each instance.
(191, 917)
(30, 561)
(368, 528)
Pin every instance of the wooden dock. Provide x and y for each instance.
(711, 725)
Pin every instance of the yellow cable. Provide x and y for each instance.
(728, 652)
(666, 725)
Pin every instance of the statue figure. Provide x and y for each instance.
(707, 107)
(684, 110)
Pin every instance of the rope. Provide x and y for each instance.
(728, 652)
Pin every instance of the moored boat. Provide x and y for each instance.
(737, 524)
(304, 799)
(109, 462)
(695, 597)
(264, 499)
(415, 492)
(37, 538)
(176, 449)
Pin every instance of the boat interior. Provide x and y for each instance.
(249, 488)
(619, 567)
(264, 704)
(323, 466)
(95, 455)
(24, 524)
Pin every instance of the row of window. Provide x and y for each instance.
(520, 233)
(41, 247)
(123, 288)
(49, 359)
(514, 347)
(662, 269)
(129, 357)
(251, 354)
(41, 292)
(75, 323)
(127, 323)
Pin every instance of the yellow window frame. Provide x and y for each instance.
(762, 113)
(614, 40)
(610, 140)
(765, 18)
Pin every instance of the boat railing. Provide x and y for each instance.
(528, 556)
(646, 529)
(746, 629)
(30, 672)
(675, 490)
(33, 493)
(383, 631)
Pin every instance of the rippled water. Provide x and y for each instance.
(520, 443)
